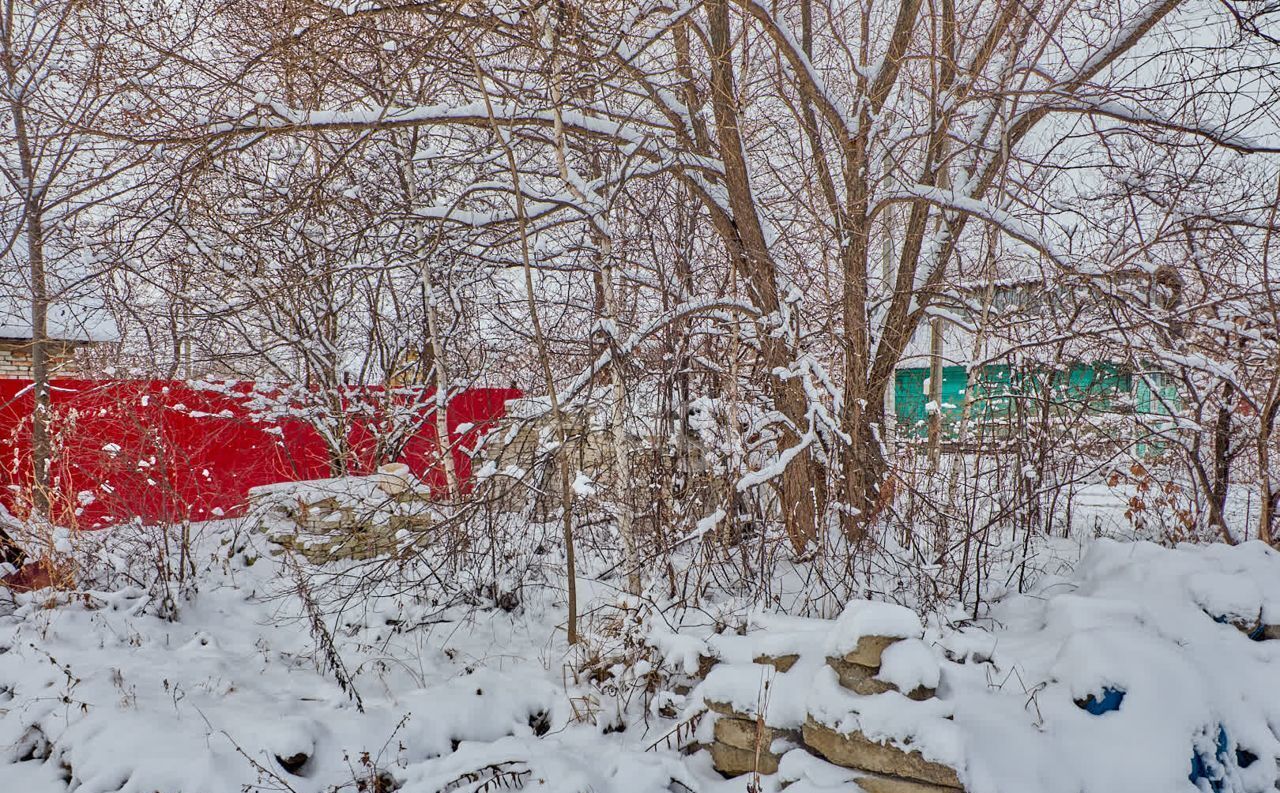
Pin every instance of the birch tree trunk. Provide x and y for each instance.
(33, 211)
(439, 366)
(624, 499)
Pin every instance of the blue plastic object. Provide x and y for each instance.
(1257, 634)
(1111, 699)
(1212, 771)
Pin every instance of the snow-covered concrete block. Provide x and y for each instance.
(868, 649)
(772, 639)
(732, 761)
(866, 628)
(410, 523)
(395, 479)
(910, 665)
(722, 707)
(745, 734)
(889, 784)
(854, 750)
(864, 681)
(858, 678)
(744, 691)
(782, 663)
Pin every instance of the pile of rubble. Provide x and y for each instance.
(1138, 667)
(743, 741)
(350, 517)
(891, 768)
(805, 685)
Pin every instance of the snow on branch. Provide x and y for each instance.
(950, 199)
(802, 67)
(583, 380)
(1146, 117)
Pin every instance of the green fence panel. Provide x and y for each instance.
(909, 398)
(1155, 394)
(992, 393)
(999, 388)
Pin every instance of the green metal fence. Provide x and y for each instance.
(998, 391)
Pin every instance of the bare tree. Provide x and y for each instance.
(61, 77)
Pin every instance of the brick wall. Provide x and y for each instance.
(15, 359)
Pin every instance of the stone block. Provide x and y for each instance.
(410, 523)
(854, 750)
(888, 784)
(862, 680)
(858, 678)
(705, 664)
(782, 663)
(326, 504)
(395, 478)
(741, 733)
(732, 761)
(869, 649)
(360, 542)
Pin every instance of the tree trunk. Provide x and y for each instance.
(41, 452)
(935, 393)
(802, 498)
(544, 360)
(441, 396)
(1268, 495)
(41, 445)
(1221, 483)
(624, 497)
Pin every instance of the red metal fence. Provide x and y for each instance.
(170, 450)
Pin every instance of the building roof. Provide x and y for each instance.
(69, 320)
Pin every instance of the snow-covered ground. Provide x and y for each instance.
(98, 694)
